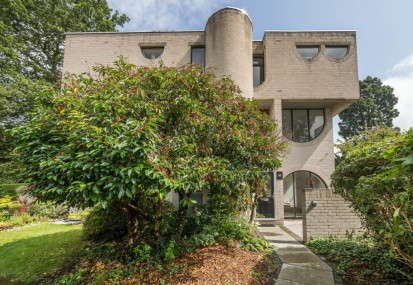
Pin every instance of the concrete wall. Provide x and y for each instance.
(84, 50)
(321, 81)
(331, 216)
(228, 46)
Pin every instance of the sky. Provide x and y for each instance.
(384, 31)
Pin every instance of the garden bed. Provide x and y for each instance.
(214, 264)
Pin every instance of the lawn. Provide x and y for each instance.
(12, 189)
(30, 254)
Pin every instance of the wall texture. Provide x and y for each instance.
(331, 216)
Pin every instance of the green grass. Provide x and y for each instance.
(12, 189)
(28, 254)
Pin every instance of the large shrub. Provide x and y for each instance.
(377, 178)
(105, 224)
(132, 135)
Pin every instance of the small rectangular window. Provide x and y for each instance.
(198, 56)
(258, 70)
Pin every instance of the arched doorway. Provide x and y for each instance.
(293, 184)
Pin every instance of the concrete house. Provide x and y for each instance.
(302, 79)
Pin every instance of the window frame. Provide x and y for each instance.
(308, 123)
(198, 47)
(262, 72)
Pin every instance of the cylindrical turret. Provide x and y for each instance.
(228, 46)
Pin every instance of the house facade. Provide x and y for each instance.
(302, 79)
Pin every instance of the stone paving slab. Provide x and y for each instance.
(314, 265)
(305, 275)
(297, 255)
(300, 265)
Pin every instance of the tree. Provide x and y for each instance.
(375, 108)
(31, 55)
(376, 178)
(33, 32)
(132, 135)
(366, 137)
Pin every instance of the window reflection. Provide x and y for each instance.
(308, 51)
(337, 51)
(302, 125)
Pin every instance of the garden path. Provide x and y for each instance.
(300, 265)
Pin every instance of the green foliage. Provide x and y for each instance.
(47, 210)
(211, 227)
(367, 136)
(255, 244)
(135, 134)
(105, 224)
(32, 34)
(372, 261)
(5, 204)
(375, 108)
(377, 179)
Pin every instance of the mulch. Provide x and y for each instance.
(216, 264)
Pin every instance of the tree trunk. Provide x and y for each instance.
(158, 219)
(133, 227)
(254, 202)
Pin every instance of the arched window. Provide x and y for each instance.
(293, 184)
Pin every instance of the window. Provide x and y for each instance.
(198, 56)
(337, 51)
(293, 184)
(152, 52)
(308, 51)
(302, 125)
(258, 70)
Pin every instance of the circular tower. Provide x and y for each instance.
(228, 46)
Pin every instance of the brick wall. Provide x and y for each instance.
(331, 216)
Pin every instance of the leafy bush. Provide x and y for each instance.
(362, 259)
(47, 210)
(255, 244)
(105, 224)
(211, 227)
(377, 178)
(5, 204)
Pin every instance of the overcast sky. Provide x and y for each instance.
(384, 30)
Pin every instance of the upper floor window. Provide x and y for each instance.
(308, 51)
(152, 52)
(337, 51)
(258, 70)
(302, 125)
(198, 56)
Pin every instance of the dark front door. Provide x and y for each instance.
(266, 205)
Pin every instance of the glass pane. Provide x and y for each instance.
(300, 126)
(316, 122)
(316, 181)
(302, 180)
(337, 52)
(308, 52)
(258, 70)
(198, 56)
(287, 131)
(152, 53)
(288, 196)
(256, 75)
